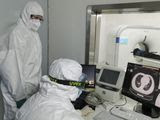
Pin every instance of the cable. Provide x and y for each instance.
(110, 111)
(119, 105)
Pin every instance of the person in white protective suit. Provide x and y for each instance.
(53, 100)
(20, 67)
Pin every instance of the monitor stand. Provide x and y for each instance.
(153, 112)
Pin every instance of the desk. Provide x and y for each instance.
(107, 106)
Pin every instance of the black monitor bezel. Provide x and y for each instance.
(126, 92)
(94, 73)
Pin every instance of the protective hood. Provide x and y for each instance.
(49, 88)
(31, 8)
(66, 69)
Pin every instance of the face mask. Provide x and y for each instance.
(35, 24)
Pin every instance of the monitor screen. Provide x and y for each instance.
(142, 84)
(111, 76)
(90, 72)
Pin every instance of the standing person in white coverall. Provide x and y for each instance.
(20, 67)
(53, 100)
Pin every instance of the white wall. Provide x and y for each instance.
(9, 12)
(67, 20)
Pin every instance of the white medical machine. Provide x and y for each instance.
(120, 46)
(143, 38)
(109, 83)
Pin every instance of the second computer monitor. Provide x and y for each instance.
(111, 76)
(142, 84)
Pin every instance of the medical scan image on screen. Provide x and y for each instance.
(109, 76)
(142, 84)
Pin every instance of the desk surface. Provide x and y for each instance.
(107, 106)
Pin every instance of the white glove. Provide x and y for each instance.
(86, 111)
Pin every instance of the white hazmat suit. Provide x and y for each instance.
(20, 67)
(53, 101)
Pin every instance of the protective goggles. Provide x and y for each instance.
(78, 84)
(37, 17)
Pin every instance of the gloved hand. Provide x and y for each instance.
(86, 111)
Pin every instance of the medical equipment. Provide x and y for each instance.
(141, 83)
(109, 83)
(122, 42)
(108, 94)
(130, 38)
(111, 77)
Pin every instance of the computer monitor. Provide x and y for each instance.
(111, 76)
(90, 77)
(141, 83)
(90, 72)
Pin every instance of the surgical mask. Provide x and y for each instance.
(35, 24)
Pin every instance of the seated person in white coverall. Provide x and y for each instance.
(20, 60)
(53, 100)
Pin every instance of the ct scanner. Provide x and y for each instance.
(128, 39)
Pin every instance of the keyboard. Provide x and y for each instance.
(128, 114)
(119, 113)
(105, 115)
